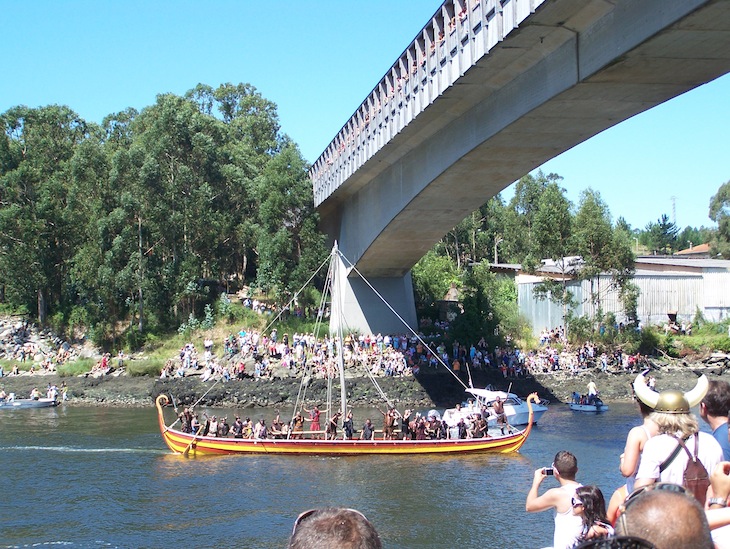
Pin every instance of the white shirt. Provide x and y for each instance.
(657, 449)
(568, 526)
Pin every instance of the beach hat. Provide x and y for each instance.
(671, 401)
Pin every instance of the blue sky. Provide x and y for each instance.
(317, 61)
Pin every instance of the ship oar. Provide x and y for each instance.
(195, 436)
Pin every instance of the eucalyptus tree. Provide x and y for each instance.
(602, 249)
(720, 214)
(552, 226)
(37, 228)
(289, 245)
(522, 244)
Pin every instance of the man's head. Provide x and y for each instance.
(717, 400)
(668, 519)
(566, 464)
(334, 528)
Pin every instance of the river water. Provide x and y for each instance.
(102, 477)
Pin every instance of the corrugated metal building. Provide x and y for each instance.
(666, 284)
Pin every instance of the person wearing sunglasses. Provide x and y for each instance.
(334, 528)
(667, 516)
(590, 505)
(568, 526)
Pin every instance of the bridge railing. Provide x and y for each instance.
(459, 34)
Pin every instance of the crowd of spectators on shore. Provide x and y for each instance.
(252, 354)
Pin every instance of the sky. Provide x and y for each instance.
(318, 60)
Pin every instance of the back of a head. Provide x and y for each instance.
(616, 542)
(717, 399)
(334, 528)
(668, 520)
(566, 464)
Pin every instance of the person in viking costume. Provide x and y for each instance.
(660, 460)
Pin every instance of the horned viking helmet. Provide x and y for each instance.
(670, 402)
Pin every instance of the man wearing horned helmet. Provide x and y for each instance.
(671, 413)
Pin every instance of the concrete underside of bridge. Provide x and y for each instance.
(571, 70)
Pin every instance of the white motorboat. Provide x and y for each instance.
(596, 407)
(12, 403)
(515, 408)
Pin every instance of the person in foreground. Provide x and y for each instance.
(667, 516)
(333, 528)
(663, 458)
(568, 527)
(590, 505)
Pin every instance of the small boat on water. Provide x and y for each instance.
(12, 403)
(596, 407)
(516, 409)
(188, 443)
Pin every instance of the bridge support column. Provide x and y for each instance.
(363, 311)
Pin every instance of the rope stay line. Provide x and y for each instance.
(399, 317)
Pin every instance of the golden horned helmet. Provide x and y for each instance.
(670, 402)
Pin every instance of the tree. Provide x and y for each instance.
(432, 277)
(37, 228)
(289, 246)
(720, 214)
(602, 249)
(552, 225)
(661, 237)
(522, 245)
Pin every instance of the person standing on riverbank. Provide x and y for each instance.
(568, 527)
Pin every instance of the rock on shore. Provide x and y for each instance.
(437, 389)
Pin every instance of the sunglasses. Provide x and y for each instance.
(633, 496)
(307, 514)
(576, 502)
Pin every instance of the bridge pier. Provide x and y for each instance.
(363, 311)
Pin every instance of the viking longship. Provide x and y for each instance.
(197, 444)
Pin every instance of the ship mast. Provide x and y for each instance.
(337, 298)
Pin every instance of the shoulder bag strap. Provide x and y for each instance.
(674, 454)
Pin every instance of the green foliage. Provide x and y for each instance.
(141, 220)
(208, 321)
(432, 277)
(720, 214)
(76, 367)
(661, 237)
(139, 368)
(580, 329)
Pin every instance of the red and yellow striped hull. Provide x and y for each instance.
(191, 445)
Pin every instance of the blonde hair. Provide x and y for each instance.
(683, 425)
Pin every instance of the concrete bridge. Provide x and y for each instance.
(488, 91)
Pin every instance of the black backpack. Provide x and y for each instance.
(695, 478)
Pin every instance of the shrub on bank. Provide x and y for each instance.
(149, 367)
(76, 368)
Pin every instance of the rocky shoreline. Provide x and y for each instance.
(437, 389)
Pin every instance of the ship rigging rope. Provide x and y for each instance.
(295, 296)
(307, 371)
(196, 402)
(438, 358)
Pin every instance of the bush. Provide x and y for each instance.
(139, 368)
(650, 341)
(75, 368)
(722, 344)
